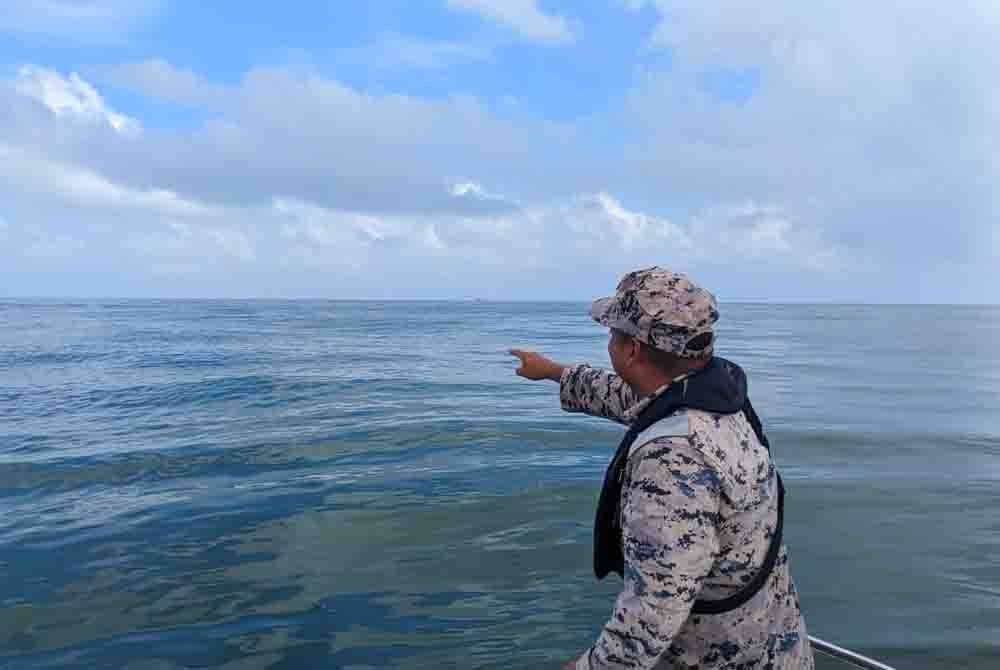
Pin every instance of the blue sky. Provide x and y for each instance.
(505, 149)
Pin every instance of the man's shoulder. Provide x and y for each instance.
(677, 425)
(718, 437)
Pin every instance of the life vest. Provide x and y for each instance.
(719, 388)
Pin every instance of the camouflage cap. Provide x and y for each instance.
(664, 309)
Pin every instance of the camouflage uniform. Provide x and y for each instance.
(699, 506)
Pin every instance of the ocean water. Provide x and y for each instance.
(269, 484)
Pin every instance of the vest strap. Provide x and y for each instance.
(751, 588)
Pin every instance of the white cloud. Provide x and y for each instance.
(884, 155)
(70, 97)
(38, 244)
(752, 232)
(470, 191)
(73, 186)
(469, 188)
(586, 230)
(159, 79)
(476, 237)
(76, 20)
(315, 139)
(184, 249)
(41, 245)
(336, 238)
(157, 233)
(392, 50)
(886, 131)
(524, 16)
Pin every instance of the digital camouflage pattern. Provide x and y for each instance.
(664, 309)
(698, 513)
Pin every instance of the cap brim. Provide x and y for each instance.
(599, 310)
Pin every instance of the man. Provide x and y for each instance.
(691, 509)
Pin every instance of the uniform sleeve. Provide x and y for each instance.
(596, 392)
(671, 505)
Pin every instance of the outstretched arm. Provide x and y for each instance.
(595, 392)
(536, 367)
(582, 388)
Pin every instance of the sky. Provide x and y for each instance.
(500, 149)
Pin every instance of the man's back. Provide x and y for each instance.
(699, 507)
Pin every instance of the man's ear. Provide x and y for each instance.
(633, 349)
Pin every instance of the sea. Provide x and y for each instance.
(324, 484)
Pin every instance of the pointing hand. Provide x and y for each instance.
(535, 366)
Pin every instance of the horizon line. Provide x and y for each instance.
(737, 301)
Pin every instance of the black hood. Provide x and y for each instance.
(720, 388)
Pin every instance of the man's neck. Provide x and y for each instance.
(656, 379)
(649, 384)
